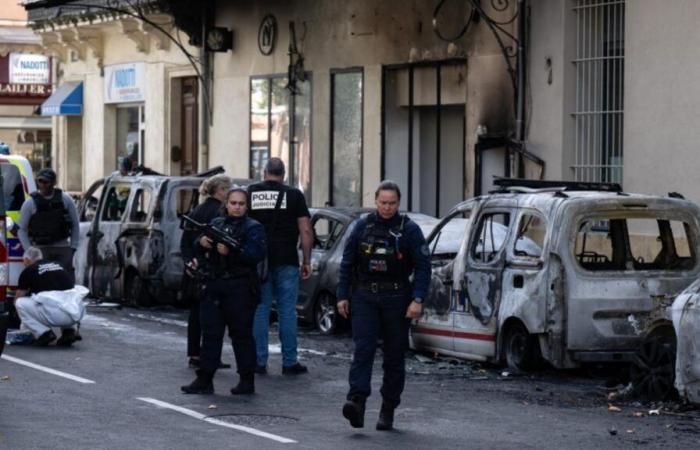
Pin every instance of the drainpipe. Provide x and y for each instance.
(205, 91)
(520, 106)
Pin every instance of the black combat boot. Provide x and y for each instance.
(354, 411)
(245, 386)
(201, 385)
(386, 418)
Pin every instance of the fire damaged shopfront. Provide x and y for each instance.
(571, 275)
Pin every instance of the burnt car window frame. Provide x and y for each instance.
(512, 253)
(474, 238)
(135, 203)
(691, 228)
(110, 188)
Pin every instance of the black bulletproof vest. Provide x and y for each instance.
(50, 221)
(220, 266)
(382, 256)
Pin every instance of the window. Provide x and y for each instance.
(183, 200)
(130, 134)
(598, 114)
(449, 239)
(492, 234)
(275, 113)
(635, 244)
(13, 189)
(326, 232)
(530, 239)
(140, 206)
(115, 205)
(346, 138)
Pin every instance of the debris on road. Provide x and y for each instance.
(5, 378)
(612, 431)
(653, 412)
(212, 407)
(613, 408)
(638, 414)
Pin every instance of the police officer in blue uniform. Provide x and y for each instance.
(231, 295)
(381, 253)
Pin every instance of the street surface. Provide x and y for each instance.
(120, 388)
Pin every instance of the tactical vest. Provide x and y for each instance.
(382, 257)
(50, 222)
(219, 266)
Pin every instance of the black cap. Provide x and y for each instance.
(47, 174)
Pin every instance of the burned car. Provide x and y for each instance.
(685, 317)
(130, 230)
(316, 304)
(567, 272)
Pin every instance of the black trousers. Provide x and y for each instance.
(194, 329)
(228, 303)
(375, 316)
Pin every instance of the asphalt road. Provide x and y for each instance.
(119, 388)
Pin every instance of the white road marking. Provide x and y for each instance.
(212, 420)
(58, 373)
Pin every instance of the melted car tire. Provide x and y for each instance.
(654, 373)
(522, 351)
(135, 292)
(325, 314)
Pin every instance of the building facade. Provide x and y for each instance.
(26, 77)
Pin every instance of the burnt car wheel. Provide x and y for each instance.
(325, 314)
(654, 373)
(521, 348)
(135, 292)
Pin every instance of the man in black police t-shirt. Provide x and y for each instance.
(41, 275)
(282, 211)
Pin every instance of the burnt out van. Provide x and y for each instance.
(565, 272)
(131, 233)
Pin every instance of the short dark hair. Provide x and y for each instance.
(275, 167)
(388, 185)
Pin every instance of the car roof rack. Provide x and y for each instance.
(512, 184)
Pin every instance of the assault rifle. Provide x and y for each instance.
(216, 235)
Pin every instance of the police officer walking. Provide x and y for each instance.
(215, 189)
(231, 293)
(383, 250)
(49, 221)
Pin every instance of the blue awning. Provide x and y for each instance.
(67, 100)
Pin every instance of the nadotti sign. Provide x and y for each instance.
(125, 83)
(26, 68)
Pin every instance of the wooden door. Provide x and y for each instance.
(190, 126)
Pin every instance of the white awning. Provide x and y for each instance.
(25, 123)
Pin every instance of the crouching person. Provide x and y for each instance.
(46, 298)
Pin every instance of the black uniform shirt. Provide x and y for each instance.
(282, 241)
(43, 276)
(202, 213)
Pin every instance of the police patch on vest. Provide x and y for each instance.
(267, 200)
(378, 266)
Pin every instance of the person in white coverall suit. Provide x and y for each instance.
(46, 297)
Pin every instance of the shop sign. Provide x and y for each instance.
(24, 90)
(27, 68)
(125, 83)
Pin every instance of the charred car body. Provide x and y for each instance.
(570, 272)
(131, 233)
(332, 226)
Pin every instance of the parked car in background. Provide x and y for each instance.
(332, 226)
(131, 231)
(568, 272)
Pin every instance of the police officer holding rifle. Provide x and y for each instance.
(380, 255)
(226, 257)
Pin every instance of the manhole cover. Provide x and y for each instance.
(255, 419)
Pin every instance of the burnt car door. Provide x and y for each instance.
(327, 229)
(87, 210)
(435, 329)
(475, 327)
(103, 260)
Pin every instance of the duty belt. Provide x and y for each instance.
(382, 286)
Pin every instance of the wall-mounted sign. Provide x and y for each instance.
(125, 83)
(267, 34)
(26, 68)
